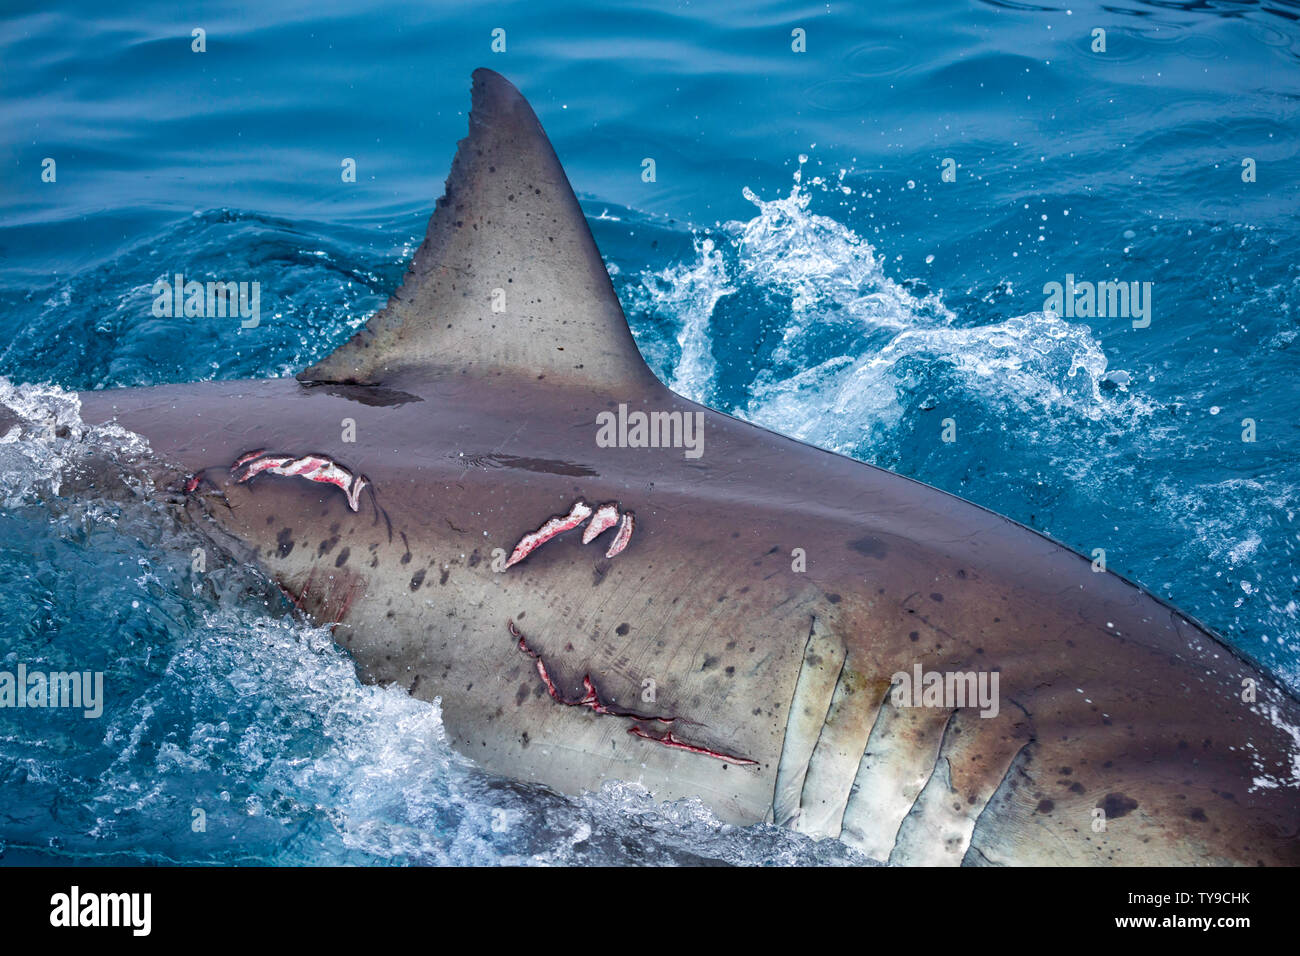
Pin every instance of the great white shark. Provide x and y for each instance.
(493, 501)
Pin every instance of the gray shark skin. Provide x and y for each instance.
(710, 658)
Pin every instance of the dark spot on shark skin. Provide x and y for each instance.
(524, 740)
(730, 671)
(417, 579)
(1117, 805)
(475, 558)
(374, 562)
(270, 519)
(834, 598)
(327, 546)
(1197, 814)
(598, 573)
(871, 547)
(1045, 806)
(914, 636)
(961, 573)
(343, 557)
(622, 629)
(1077, 787)
(285, 540)
(521, 695)
(936, 596)
(446, 573)
(709, 662)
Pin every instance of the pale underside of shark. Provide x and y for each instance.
(705, 657)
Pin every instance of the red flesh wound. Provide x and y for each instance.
(311, 467)
(554, 526)
(668, 740)
(623, 537)
(606, 517)
(590, 697)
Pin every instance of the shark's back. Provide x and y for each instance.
(769, 627)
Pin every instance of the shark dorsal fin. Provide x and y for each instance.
(508, 279)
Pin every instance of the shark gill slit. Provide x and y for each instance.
(819, 672)
(975, 756)
(841, 742)
(898, 761)
(1002, 793)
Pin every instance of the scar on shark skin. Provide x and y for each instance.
(334, 609)
(668, 740)
(312, 467)
(623, 536)
(606, 516)
(320, 468)
(591, 698)
(198, 477)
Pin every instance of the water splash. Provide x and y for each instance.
(690, 292)
(854, 350)
(44, 444)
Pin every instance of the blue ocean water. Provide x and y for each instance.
(798, 260)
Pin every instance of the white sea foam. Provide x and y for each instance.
(834, 288)
(43, 437)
